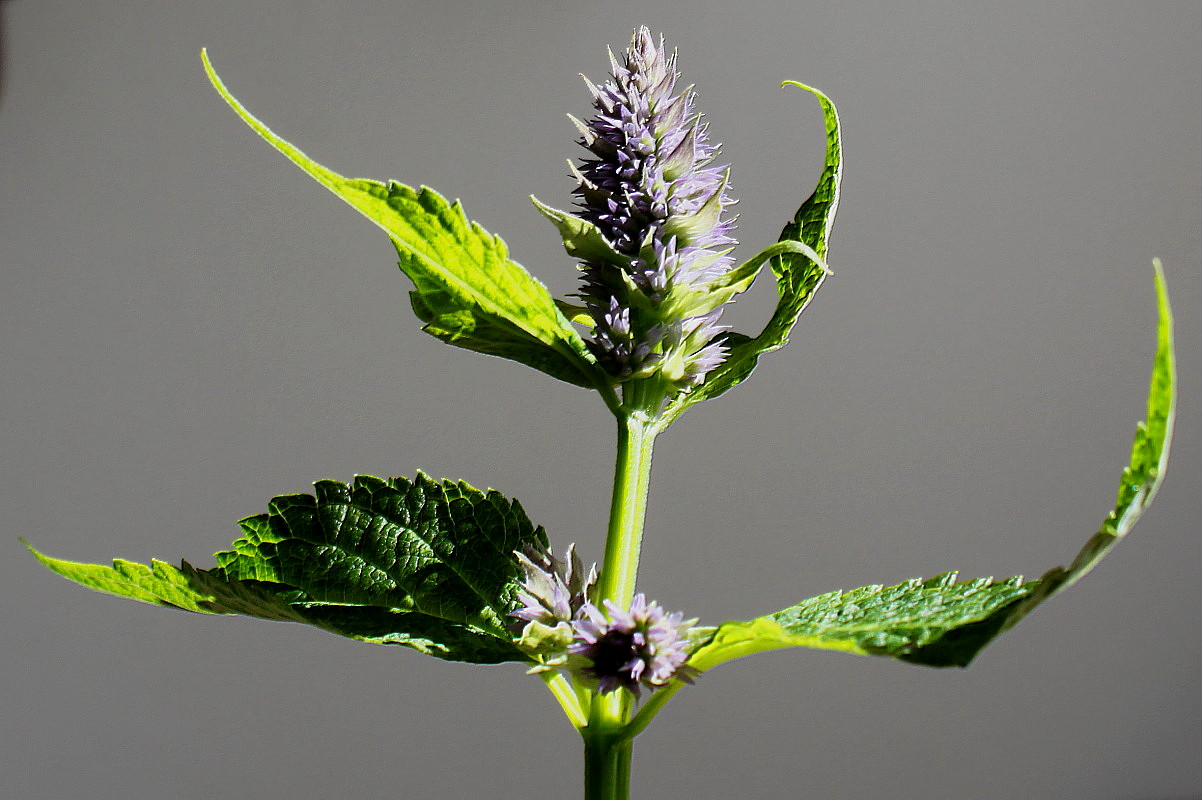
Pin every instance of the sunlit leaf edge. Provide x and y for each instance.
(798, 276)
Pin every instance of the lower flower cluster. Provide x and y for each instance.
(629, 648)
(560, 627)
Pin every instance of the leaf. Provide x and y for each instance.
(426, 564)
(941, 622)
(467, 289)
(158, 584)
(581, 238)
(720, 290)
(900, 621)
(798, 274)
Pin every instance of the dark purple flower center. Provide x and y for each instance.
(613, 651)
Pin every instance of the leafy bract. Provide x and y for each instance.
(466, 289)
(941, 622)
(581, 239)
(423, 563)
(798, 273)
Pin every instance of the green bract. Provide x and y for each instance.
(798, 273)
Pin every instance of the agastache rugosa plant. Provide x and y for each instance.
(463, 575)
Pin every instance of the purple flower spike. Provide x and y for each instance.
(649, 189)
(631, 648)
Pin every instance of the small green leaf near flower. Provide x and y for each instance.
(798, 274)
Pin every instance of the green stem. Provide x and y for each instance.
(652, 707)
(607, 750)
(628, 508)
(568, 699)
(606, 766)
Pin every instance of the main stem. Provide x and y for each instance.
(606, 767)
(628, 508)
(607, 751)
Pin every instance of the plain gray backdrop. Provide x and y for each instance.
(191, 326)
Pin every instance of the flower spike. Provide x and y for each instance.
(649, 188)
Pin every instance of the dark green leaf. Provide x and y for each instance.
(940, 622)
(424, 563)
(897, 621)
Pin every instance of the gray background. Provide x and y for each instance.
(191, 326)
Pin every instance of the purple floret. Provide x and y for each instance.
(552, 590)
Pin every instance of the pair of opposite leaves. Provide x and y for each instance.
(429, 564)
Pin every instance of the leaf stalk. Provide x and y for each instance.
(567, 697)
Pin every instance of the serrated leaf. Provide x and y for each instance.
(426, 564)
(941, 622)
(467, 289)
(902, 621)
(158, 584)
(162, 584)
(434, 547)
(798, 274)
